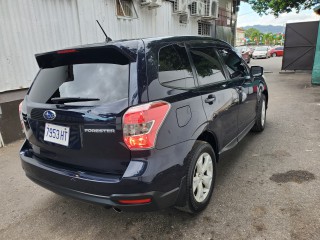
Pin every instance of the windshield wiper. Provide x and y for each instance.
(72, 99)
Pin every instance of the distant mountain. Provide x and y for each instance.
(267, 28)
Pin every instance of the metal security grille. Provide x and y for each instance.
(194, 8)
(176, 5)
(207, 7)
(125, 8)
(204, 29)
(300, 45)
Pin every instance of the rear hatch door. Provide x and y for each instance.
(75, 108)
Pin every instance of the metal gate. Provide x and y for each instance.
(300, 45)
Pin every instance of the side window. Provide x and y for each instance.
(209, 69)
(174, 68)
(234, 63)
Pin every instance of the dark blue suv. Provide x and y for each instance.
(139, 124)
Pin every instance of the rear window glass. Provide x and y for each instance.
(107, 82)
(174, 67)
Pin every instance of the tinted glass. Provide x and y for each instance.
(209, 69)
(108, 82)
(174, 67)
(234, 63)
(279, 48)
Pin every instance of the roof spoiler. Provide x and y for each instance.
(106, 54)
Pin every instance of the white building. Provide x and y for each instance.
(30, 27)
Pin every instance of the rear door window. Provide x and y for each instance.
(174, 67)
(209, 69)
(105, 81)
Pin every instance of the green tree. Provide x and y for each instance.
(268, 38)
(251, 31)
(253, 34)
(277, 7)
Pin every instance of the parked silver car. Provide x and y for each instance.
(261, 52)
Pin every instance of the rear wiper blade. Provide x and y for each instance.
(72, 99)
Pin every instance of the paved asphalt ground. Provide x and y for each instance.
(268, 187)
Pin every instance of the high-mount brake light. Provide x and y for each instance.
(142, 123)
(67, 51)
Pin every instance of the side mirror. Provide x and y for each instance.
(256, 71)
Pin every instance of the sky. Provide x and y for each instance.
(247, 17)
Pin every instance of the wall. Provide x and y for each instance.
(35, 26)
(227, 21)
(10, 126)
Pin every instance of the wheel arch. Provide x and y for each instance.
(210, 138)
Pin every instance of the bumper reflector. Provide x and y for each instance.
(135, 201)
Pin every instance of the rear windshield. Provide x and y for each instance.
(105, 81)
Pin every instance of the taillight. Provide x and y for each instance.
(142, 123)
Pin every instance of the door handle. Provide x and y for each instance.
(210, 99)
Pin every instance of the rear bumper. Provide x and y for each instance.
(105, 189)
(260, 56)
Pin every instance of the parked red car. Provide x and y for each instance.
(275, 52)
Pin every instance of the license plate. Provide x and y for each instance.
(57, 134)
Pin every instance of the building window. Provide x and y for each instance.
(125, 8)
(204, 29)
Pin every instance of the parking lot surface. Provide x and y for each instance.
(268, 187)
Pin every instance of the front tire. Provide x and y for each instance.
(261, 115)
(200, 179)
(274, 54)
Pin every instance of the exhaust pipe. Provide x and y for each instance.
(117, 210)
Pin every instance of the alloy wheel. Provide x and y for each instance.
(202, 177)
(263, 113)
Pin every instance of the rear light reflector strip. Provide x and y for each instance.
(135, 201)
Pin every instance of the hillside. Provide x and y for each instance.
(267, 28)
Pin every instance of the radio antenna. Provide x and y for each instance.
(107, 38)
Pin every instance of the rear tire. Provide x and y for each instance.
(200, 179)
(261, 115)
